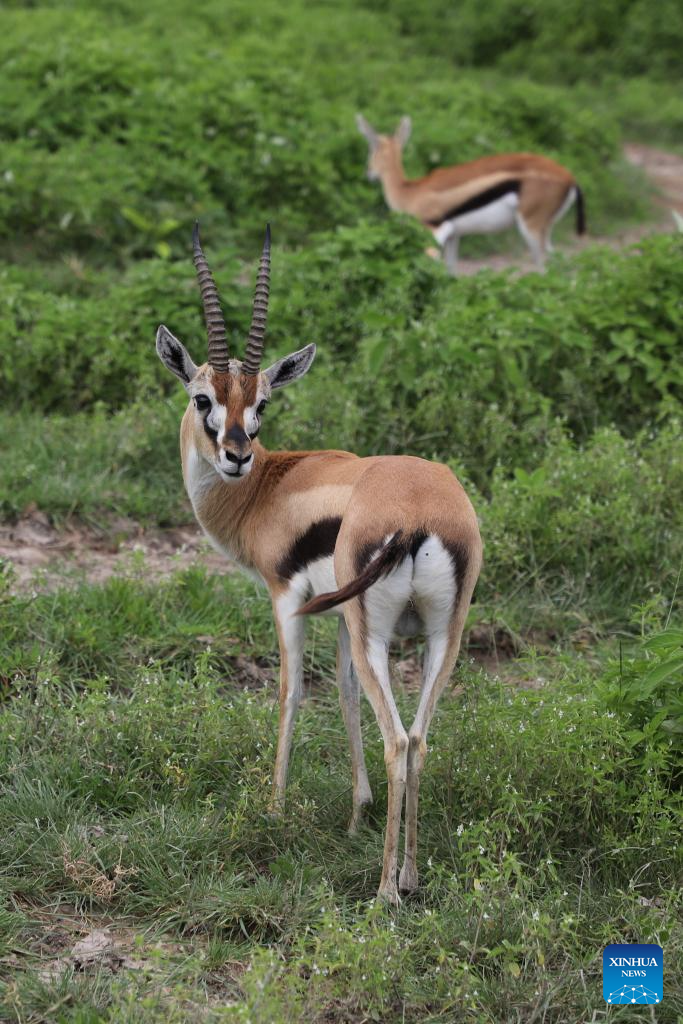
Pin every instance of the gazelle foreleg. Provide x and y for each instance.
(349, 700)
(290, 631)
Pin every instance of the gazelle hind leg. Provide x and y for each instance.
(349, 700)
(534, 239)
(437, 671)
(436, 599)
(450, 254)
(371, 628)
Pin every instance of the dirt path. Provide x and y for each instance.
(665, 171)
(42, 556)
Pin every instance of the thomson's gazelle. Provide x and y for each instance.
(476, 198)
(389, 544)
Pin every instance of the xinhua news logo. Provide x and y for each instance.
(633, 973)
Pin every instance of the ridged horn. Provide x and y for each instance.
(219, 357)
(257, 331)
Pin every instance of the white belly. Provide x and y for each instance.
(496, 216)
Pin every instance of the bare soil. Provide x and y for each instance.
(44, 557)
(63, 940)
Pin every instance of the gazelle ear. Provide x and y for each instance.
(366, 129)
(291, 367)
(405, 126)
(174, 355)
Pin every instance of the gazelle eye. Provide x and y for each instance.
(202, 402)
(260, 407)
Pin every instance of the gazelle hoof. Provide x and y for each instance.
(358, 816)
(407, 880)
(389, 894)
(276, 809)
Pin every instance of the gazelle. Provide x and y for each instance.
(477, 198)
(388, 544)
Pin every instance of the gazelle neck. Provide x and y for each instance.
(221, 508)
(394, 184)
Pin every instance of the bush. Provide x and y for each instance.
(549, 39)
(516, 354)
(596, 527)
(646, 688)
(113, 145)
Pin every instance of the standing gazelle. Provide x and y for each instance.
(387, 543)
(477, 198)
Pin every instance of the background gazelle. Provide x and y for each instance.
(390, 544)
(476, 198)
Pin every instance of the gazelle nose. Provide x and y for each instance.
(231, 457)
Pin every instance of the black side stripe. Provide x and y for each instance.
(476, 202)
(317, 542)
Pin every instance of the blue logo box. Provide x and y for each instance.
(633, 973)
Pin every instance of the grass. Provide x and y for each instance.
(135, 761)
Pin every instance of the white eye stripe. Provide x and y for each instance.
(252, 419)
(216, 420)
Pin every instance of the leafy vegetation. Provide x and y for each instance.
(547, 39)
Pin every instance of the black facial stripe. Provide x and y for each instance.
(317, 542)
(213, 434)
(476, 202)
(238, 434)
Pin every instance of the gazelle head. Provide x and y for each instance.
(384, 150)
(228, 396)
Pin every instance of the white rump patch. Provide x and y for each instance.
(569, 199)
(428, 581)
(495, 216)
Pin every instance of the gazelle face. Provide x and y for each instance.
(226, 408)
(383, 150)
(226, 411)
(382, 157)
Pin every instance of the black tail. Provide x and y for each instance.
(389, 557)
(580, 212)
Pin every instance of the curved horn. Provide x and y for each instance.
(257, 331)
(219, 357)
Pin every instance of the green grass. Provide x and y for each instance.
(134, 780)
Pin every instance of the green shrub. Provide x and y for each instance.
(514, 354)
(549, 39)
(596, 527)
(118, 134)
(646, 688)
